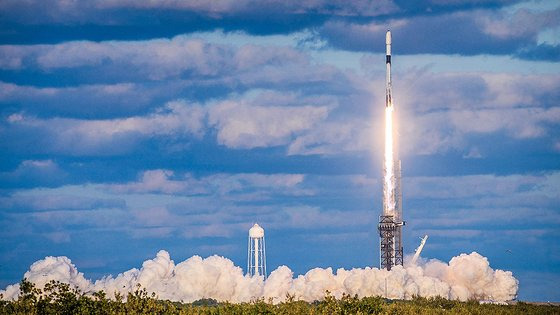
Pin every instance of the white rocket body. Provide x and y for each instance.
(388, 91)
(419, 249)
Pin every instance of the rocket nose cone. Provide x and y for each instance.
(388, 38)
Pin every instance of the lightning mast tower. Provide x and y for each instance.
(256, 254)
(390, 221)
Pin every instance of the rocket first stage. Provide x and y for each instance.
(388, 87)
(390, 221)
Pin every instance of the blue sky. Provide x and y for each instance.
(132, 126)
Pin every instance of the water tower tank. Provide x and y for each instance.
(256, 254)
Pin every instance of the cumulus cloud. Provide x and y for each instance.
(438, 111)
(247, 126)
(438, 108)
(521, 23)
(513, 121)
(444, 131)
(480, 203)
(29, 202)
(540, 52)
(474, 32)
(441, 110)
(81, 136)
(334, 138)
(83, 101)
(180, 203)
(464, 277)
(426, 91)
(155, 59)
(193, 207)
(100, 11)
(300, 217)
(33, 172)
(153, 181)
(119, 78)
(164, 181)
(227, 7)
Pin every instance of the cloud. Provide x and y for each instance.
(540, 52)
(437, 111)
(155, 59)
(30, 202)
(155, 181)
(425, 91)
(33, 172)
(441, 110)
(514, 121)
(110, 19)
(226, 203)
(473, 32)
(165, 182)
(102, 11)
(477, 186)
(83, 101)
(521, 23)
(247, 126)
(122, 78)
(214, 205)
(218, 205)
(475, 202)
(218, 9)
(106, 219)
(240, 123)
(437, 106)
(494, 26)
(473, 153)
(310, 218)
(445, 131)
(80, 136)
(58, 237)
(331, 138)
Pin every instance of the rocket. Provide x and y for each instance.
(388, 87)
(390, 221)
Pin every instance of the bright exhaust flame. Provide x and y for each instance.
(389, 165)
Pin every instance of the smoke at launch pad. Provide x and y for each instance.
(467, 276)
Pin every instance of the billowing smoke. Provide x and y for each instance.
(465, 277)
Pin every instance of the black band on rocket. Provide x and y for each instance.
(388, 59)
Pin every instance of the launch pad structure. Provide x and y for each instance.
(390, 221)
(390, 232)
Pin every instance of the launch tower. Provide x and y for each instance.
(390, 221)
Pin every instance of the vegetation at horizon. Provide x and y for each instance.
(59, 298)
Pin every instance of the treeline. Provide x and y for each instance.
(60, 298)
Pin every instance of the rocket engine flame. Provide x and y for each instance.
(389, 180)
(389, 165)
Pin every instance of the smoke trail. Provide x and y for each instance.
(464, 277)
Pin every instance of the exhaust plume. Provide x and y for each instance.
(467, 276)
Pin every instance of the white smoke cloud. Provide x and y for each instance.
(465, 277)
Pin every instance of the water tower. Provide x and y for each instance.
(256, 255)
